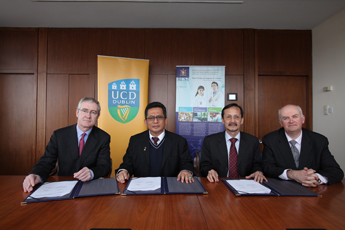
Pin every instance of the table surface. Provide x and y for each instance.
(219, 209)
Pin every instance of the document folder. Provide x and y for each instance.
(98, 187)
(170, 185)
(278, 188)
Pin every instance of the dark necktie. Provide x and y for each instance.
(295, 152)
(155, 140)
(233, 159)
(81, 143)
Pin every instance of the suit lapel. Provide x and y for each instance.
(167, 148)
(72, 143)
(88, 147)
(306, 149)
(222, 147)
(242, 150)
(145, 146)
(285, 150)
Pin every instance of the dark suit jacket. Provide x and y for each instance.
(176, 155)
(277, 155)
(214, 155)
(63, 145)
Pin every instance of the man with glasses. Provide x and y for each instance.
(82, 150)
(156, 151)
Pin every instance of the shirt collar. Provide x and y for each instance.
(298, 139)
(161, 136)
(79, 132)
(227, 136)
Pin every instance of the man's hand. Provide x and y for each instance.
(185, 176)
(30, 181)
(306, 177)
(258, 176)
(122, 176)
(212, 176)
(83, 174)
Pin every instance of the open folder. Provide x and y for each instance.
(162, 185)
(274, 187)
(62, 190)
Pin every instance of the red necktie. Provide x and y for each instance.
(233, 159)
(155, 139)
(81, 143)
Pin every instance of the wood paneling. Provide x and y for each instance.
(18, 50)
(274, 93)
(18, 123)
(57, 103)
(166, 48)
(79, 86)
(283, 52)
(75, 50)
(62, 67)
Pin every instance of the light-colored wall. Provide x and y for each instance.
(329, 70)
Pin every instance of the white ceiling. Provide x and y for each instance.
(257, 14)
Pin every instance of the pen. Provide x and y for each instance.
(34, 181)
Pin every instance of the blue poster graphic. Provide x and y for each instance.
(199, 103)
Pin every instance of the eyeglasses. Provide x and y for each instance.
(152, 118)
(86, 112)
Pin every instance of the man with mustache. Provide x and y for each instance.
(231, 153)
(295, 153)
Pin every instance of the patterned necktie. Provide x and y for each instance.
(155, 139)
(233, 159)
(295, 152)
(81, 143)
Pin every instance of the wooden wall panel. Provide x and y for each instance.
(18, 49)
(79, 86)
(283, 52)
(62, 67)
(75, 51)
(18, 123)
(57, 103)
(166, 48)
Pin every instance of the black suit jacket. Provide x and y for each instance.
(176, 155)
(214, 155)
(277, 155)
(63, 145)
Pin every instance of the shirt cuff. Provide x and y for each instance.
(92, 175)
(284, 176)
(324, 180)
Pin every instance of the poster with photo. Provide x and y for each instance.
(200, 97)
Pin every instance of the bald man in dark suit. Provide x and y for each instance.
(295, 153)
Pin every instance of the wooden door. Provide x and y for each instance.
(273, 93)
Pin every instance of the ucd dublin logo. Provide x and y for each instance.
(123, 99)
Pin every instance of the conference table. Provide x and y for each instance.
(219, 209)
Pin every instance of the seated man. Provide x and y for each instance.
(156, 151)
(295, 153)
(82, 150)
(231, 153)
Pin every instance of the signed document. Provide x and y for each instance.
(244, 186)
(144, 184)
(54, 189)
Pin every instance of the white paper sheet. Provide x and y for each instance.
(144, 184)
(54, 189)
(244, 186)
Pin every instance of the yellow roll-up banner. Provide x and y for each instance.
(123, 95)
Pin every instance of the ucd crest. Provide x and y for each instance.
(123, 99)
